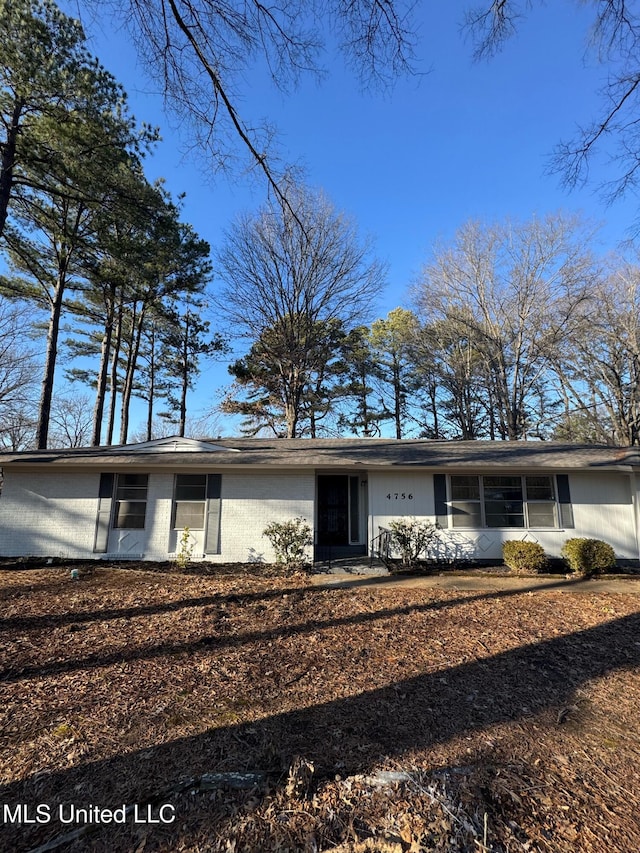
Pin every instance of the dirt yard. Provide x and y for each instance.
(143, 710)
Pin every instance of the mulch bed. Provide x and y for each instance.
(267, 714)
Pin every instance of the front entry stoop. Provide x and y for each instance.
(351, 566)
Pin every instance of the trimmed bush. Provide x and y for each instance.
(411, 537)
(289, 540)
(524, 556)
(588, 556)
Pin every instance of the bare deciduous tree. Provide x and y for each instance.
(514, 289)
(71, 420)
(18, 374)
(598, 365)
(289, 271)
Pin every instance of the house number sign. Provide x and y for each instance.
(400, 496)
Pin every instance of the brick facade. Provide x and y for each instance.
(53, 514)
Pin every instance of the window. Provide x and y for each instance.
(131, 501)
(541, 502)
(465, 502)
(503, 501)
(189, 501)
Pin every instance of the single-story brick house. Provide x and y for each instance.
(134, 501)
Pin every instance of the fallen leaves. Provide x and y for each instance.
(501, 723)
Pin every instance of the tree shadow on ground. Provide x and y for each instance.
(350, 734)
(213, 638)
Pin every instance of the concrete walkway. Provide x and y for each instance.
(479, 581)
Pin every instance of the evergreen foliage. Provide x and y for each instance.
(588, 556)
(289, 540)
(412, 538)
(524, 556)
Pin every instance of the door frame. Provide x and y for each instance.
(356, 507)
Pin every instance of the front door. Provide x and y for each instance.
(333, 509)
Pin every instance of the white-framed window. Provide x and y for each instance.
(541, 501)
(130, 501)
(189, 501)
(503, 500)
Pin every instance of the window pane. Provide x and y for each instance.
(189, 514)
(131, 501)
(542, 514)
(466, 514)
(133, 480)
(504, 513)
(130, 514)
(191, 487)
(131, 493)
(540, 489)
(465, 488)
(132, 486)
(503, 488)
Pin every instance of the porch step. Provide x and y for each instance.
(361, 565)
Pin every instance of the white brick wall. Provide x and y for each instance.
(250, 501)
(603, 508)
(398, 494)
(602, 502)
(50, 514)
(53, 513)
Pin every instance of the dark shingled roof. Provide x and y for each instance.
(337, 452)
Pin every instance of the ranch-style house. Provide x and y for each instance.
(135, 501)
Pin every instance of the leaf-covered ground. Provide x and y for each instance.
(368, 719)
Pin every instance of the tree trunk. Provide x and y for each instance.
(291, 415)
(132, 360)
(8, 162)
(113, 379)
(397, 398)
(103, 370)
(152, 380)
(185, 377)
(44, 411)
(433, 398)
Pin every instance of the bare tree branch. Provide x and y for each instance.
(200, 51)
(615, 39)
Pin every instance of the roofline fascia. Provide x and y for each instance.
(208, 467)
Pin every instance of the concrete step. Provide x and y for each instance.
(351, 566)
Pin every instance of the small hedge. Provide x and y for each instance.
(588, 556)
(524, 556)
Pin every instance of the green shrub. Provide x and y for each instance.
(289, 540)
(411, 537)
(588, 556)
(524, 556)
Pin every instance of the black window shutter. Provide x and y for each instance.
(103, 519)
(564, 499)
(214, 507)
(440, 499)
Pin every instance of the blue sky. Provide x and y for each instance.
(461, 140)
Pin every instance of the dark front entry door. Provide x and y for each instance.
(333, 509)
